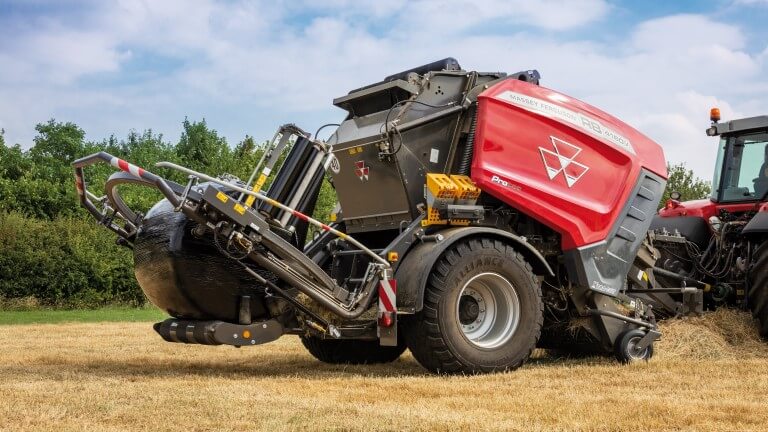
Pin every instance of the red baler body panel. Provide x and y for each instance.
(559, 160)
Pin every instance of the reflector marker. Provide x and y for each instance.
(387, 295)
(79, 185)
(127, 167)
(300, 215)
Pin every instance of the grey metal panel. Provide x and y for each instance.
(395, 184)
(424, 151)
(377, 222)
(358, 130)
(758, 224)
(376, 96)
(381, 193)
(603, 266)
(422, 131)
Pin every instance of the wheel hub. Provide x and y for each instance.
(633, 349)
(488, 309)
(471, 309)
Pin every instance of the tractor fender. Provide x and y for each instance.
(758, 224)
(415, 267)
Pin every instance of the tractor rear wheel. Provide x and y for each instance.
(758, 287)
(482, 310)
(351, 351)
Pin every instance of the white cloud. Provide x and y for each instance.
(682, 32)
(679, 127)
(448, 17)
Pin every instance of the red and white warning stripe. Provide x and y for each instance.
(387, 295)
(79, 185)
(127, 167)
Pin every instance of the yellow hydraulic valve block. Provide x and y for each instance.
(466, 194)
(443, 190)
(440, 190)
(466, 191)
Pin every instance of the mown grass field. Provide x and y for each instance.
(53, 316)
(121, 376)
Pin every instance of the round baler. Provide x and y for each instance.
(479, 216)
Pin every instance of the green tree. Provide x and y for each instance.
(56, 140)
(13, 162)
(682, 180)
(39, 182)
(202, 148)
(245, 147)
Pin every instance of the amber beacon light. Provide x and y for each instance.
(714, 115)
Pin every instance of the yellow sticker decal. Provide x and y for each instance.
(240, 209)
(223, 198)
(260, 182)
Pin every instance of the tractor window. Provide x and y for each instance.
(744, 175)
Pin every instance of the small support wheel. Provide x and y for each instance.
(626, 349)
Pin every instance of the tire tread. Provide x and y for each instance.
(758, 288)
(423, 336)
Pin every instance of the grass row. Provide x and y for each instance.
(108, 314)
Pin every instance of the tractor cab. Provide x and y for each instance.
(741, 171)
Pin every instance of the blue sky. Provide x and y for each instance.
(249, 66)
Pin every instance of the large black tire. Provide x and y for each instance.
(442, 338)
(758, 288)
(350, 351)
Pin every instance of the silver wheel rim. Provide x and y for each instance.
(634, 353)
(488, 309)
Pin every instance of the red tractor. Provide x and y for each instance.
(721, 240)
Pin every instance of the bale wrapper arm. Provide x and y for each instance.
(192, 201)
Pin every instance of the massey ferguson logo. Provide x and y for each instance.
(561, 160)
(361, 171)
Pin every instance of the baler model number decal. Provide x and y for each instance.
(498, 180)
(582, 121)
